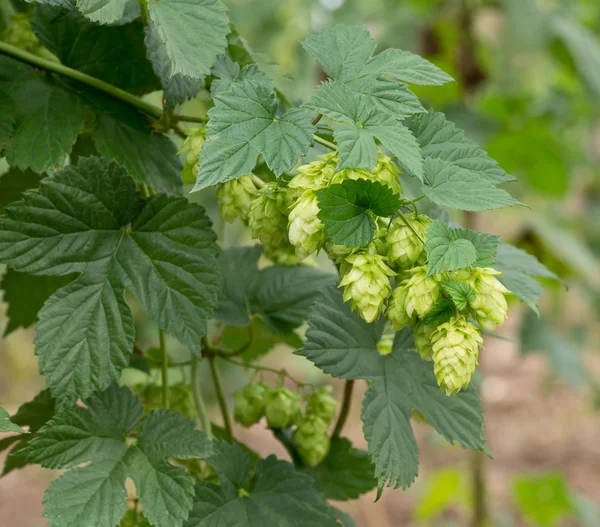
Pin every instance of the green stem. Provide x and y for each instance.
(324, 142)
(316, 119)
(221, 397)
(410, 226)
(346, 401)
(414, 200)
(190, 119)
(201, 409)
(164, 369)
(256, 367)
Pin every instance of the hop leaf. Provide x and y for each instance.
(282, 407)
(423, 292)
(250, 404)
(489, 306)
(405, 247)
(455, 347)
(236, 197)
(267, 219)
(322, 405)
(312, 440)
(305, 229)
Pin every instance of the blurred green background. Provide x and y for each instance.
(528, 90)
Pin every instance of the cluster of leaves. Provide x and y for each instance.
(92, 212)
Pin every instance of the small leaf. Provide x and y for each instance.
(446, 253)
(441, 312)
(460, 292)
(6, 425)
(226, 71)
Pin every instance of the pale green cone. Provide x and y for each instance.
(422, 333)
(236, 196)
(385, 171)
(191, 147)
(489, 307)
(305, 229)
(250, 404)
(405, 248)
(315, 175)
(312, 440)
(338, 255)
(396, 311)
(423, 292)
(367, 284)
(282, 407)
(321, 404)
(455, 347)
(267, 218)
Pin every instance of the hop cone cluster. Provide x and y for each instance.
(267, 217)
(236, 196)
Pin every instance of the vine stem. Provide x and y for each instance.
(199, 403)
(283, 373)
(164, 369)
(410, 226)
(346, 401)
(324, 142)
(221, 397)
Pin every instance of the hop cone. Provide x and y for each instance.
(422, 333)
(267, 219)
(405, 248)
(281, 254)
(396, 312)
(282, 407)
(385, 171)
(315, 175)
(423, 292)
(455, 347)
(312, 440)
(305, 229)
(489, 307)
(191, 148)
(322, 405)
(338, 254)
(235, 197)
(367, 284)
(250, 404)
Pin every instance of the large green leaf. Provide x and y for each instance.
(348, 210)
(244, 124)
(95, 493)
(269, 492)
(193, 33)
(106, 11)
(227, 71)
(90, 219)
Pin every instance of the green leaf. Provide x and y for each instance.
(226, 71)
(459, 292)
(347, 210)
(345, 473)
(13, 183)
(44, 117)
(269, 492)
(450, 186)
(193, 33)
(519, 271)
(544, 500)
(441, 312)
(95, 493)
(244, 124)
(90, 219)
(109, 11)
(441, 139)
(6, 425)
(116, 55)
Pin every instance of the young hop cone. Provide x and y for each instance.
(267, 218)
(489, 307)
(312, 440)
(315, 175)
(396, 311)
(282, 407)
(191, 148)
(422, 333)
(321, 404)
(367, 284)
(405, 247)
(250, 404)
(235, 197)
(422, 292)
(385, 171)
(455, 347)
(305, 229)
(282, 254)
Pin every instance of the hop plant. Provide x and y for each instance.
(489, 306)
(422, 333)
(191, 147)
(405, 247)
(312, 440)
(455, 346)
(305, 229)
(321, 404)
(385, 171)
(422, 292)
(367, 284)
(250, 404)
(236, 196)
(282, 407)
(267, 218)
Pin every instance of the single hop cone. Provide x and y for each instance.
(235, 197)
(385, 171)
(305, 229)
(250, 404)
(191, 147)
(405, 247)
(315, 175)
(489, 306)
(321, 404)
(282, 407)
(455, 347)
(422, 333)
(396, 311)
(422, 292)
(282, 254)
(312, 440)
(367, 284)
(267, 218)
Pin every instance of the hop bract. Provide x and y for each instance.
(236, 196)
(321, 404)
(489, 307)
(385, 171)
(305, 229)
(455, 347)
(367, 284)
(282, 407)
(312, 440)
(250, 404)
(267, 218)
(422, 292)
(191, 147)
(405, 247)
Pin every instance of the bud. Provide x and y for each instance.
(422, 292)
(305, 229)
(405, 247)
(235, 197)
(282, 407)
(422, 333)
(455, 347)
(191, 148)
(367, 283)
(396, 312)
(312, 440)
(315, 175)
(322, 405)
(267, 218)
(489, 307)
(385, 171)
(250, 404)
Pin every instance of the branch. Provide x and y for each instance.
(346, 401)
